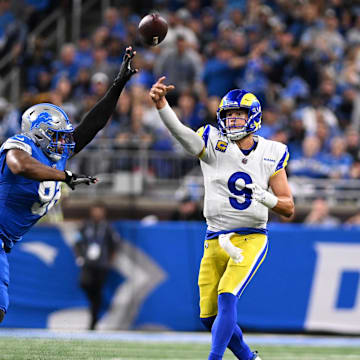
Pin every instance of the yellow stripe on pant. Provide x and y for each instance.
(220, 274)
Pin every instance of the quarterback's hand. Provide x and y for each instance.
(72, 180)
(126, 71)
(234, 252)
(158, 92)
(262, 196)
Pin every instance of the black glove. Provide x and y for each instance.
(72, 180)
(126, 71)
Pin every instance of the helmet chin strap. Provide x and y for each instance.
(237, 135)
(54, 157)
(234, 137)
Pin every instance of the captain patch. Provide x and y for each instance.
(221, 146)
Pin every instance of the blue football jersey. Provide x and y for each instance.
(24, 201)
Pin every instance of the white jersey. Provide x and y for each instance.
(228, 204)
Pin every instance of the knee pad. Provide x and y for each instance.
(2, 315)
(208, 322)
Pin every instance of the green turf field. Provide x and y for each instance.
(46, 349)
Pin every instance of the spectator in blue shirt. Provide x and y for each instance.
(36, 61)
(113, 22)
(320, 215)
(83, 55)
(339, 161)
(270, 123)
(192, 112)
(115, 50)
(220, 71)
(67, 65)
(311, 161)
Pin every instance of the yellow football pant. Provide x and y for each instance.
(220, 274)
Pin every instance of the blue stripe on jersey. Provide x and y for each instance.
(255, 267)
(283, 160)
(242, 231)
(206, 134)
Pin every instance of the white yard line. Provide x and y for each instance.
(182, 337)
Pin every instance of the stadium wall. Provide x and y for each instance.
(308, 282)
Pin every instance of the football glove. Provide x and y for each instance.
(262, 196)
(73, 180)
(234, 252)
(126, 71)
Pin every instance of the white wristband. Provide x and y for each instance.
(269, 200)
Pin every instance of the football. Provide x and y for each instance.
(153, 29)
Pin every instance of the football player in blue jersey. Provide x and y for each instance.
(239, 169)
(32, 165)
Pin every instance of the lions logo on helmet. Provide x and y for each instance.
(235, 100)
(50, 128)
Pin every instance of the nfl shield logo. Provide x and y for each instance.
(244, 161)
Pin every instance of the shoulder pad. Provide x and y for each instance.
(20, 142)
(204, 132)
(284, 158)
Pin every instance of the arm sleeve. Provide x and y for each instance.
(188, 138)
(97, 117)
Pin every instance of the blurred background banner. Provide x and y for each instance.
(308, 282)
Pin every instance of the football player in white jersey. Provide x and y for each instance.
(239, 168)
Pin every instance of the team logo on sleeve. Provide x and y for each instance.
(204, 132)
(221, 146)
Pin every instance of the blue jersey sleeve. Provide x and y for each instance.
(20, 142)
(203, 132)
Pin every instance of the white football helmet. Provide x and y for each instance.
(50, 128)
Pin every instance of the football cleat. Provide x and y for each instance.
(235, 100)
(255, 356)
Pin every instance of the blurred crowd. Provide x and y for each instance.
(301, 59)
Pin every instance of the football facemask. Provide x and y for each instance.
(61, 142)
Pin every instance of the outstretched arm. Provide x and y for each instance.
(190, 141)
(98, 116)
(21, 163)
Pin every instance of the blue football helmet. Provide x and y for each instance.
(239, 99)
(50, 128)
